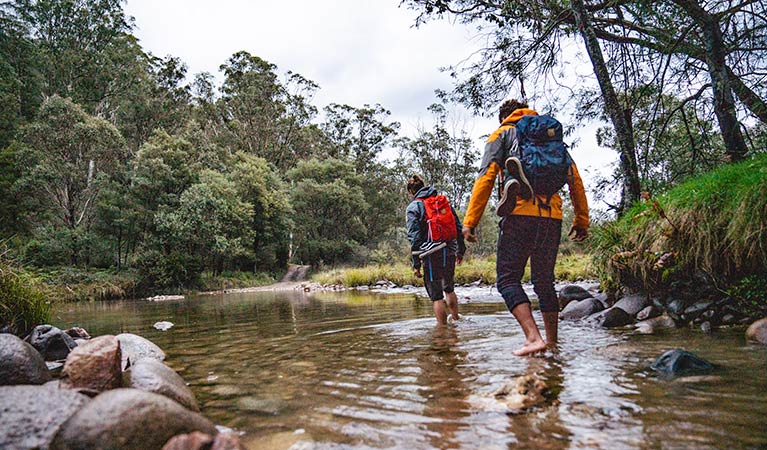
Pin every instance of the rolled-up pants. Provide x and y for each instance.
(521, 238)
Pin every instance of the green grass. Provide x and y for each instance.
(569, 267)
(715, 224)
(23, 305)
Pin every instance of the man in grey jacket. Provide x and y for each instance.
(438, 260)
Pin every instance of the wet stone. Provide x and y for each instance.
(571, 293)
(265, 406)
(51, 342)
(578, 310)
(757, 332)
(153, 376)
(135, 347)
(20, 363)
(632, 304)
(611, 318)
(94, 365)
(680, 362)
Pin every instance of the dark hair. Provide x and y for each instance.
(508, 107)
(414, 184)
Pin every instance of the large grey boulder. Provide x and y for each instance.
(578, 310)
(20, 363)
(94, 365)
(30, 416)
(153, 376)
(53, 343)
(135, 347)
(571, 293)
(632, 304)
(757, 332)
(128, 419)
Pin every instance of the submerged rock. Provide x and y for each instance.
(650, 326)
(514, 397)
(632, 304)
(757, 332)
(163, 325)
(20, 363)
(679, 362)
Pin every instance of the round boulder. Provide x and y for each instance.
(20, 363)
(135, 347)
(611, 318)
(570, 293)
(578, 310)
(632, 304)
(153, 376)
(128, 418)
(94, 365)
(650, 326)
(51, 342)
(649, 312)
(757, 332)
(30, 416)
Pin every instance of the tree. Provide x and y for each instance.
(358, 134)
(261, 187)
(446, 158)
(329, 204)
(68, 156)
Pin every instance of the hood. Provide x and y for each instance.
(426, 191)
(517, 114)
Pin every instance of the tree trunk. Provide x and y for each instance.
(724, 104)
(620, 119)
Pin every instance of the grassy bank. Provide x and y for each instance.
(23, 304)
(569, 267)
(714, 226)
(70, 284)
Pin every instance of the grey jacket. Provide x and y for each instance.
(417, 231)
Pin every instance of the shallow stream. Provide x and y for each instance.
(366, 370)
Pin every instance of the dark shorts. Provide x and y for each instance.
(438, 273)
(521, 239)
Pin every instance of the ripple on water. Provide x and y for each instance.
(371, 371)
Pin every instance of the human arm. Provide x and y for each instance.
(460, 238)
(415, 233)
(580, 227)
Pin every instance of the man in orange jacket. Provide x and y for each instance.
(530, 228)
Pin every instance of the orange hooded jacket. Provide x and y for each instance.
(496, 152)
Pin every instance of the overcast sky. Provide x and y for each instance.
(358, 51)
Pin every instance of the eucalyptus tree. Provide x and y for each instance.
(445, 155)
(66, 158)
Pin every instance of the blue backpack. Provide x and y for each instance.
(543, 154)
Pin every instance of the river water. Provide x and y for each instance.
(361, 370)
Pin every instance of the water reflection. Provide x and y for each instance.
(356, 370)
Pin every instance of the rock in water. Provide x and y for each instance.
(757, 332)
(135, 347)
(151, 375)
(94, 365)
(514, 397)
(679, 362)
(164, 325)
(571, 293)
(51, 342)
(20, 363)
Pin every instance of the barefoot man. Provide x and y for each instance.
(530, 225)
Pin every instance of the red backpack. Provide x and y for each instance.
(440, 218)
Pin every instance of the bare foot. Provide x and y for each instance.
(531, 347)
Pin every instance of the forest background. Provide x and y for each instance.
(116, 160)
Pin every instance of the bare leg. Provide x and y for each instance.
(452, 304)
(550, 323)
(440, 311)
(533, 340)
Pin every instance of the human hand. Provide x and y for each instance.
(579, 233)
(468, 234)
(417, 272)
(458, 259)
